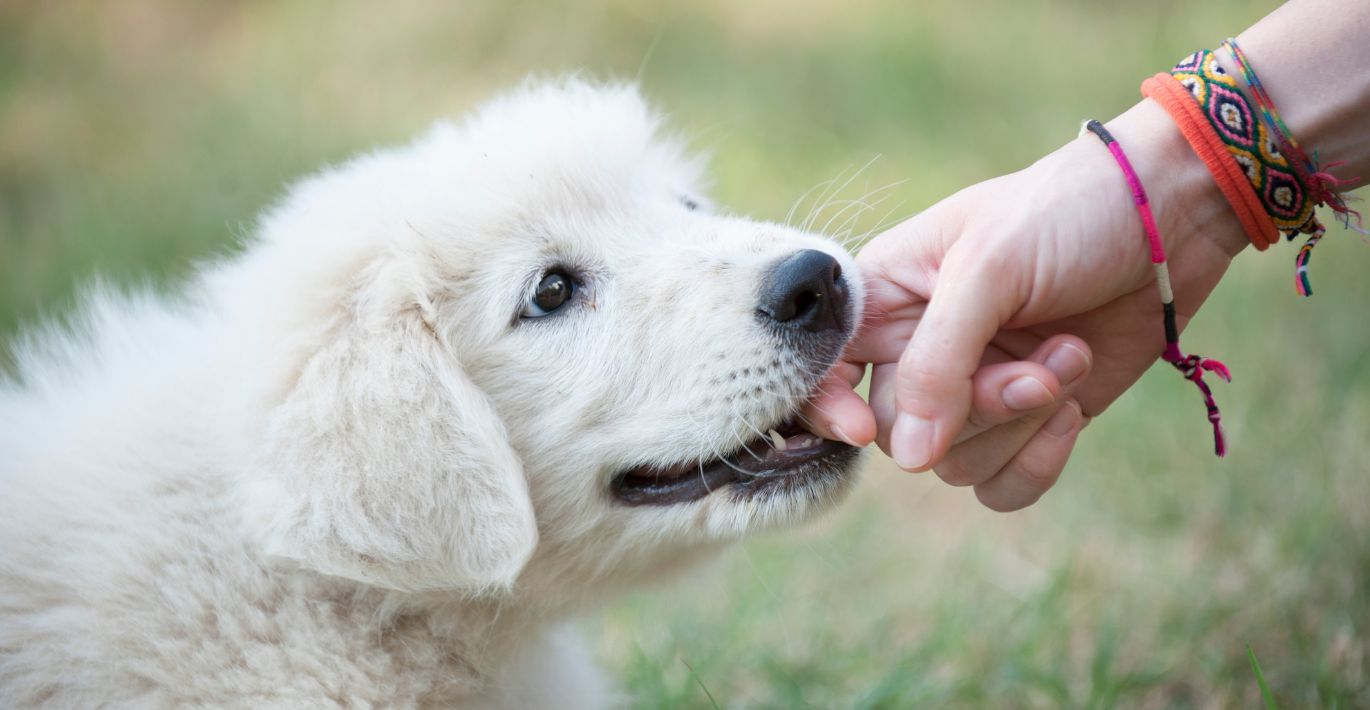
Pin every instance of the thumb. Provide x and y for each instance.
(933, 390)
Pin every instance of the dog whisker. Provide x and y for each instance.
(808, 224)
(821, 199)
(861, 204)
(789, 216)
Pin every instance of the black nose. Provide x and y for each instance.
(804, 290)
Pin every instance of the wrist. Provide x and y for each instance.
(1184, 198)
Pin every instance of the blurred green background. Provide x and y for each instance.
(137, 136)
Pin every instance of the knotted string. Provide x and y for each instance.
(1192, 367)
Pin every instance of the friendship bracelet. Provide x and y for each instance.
(1286, 184)
(1229, 176)
(1192, 367)
(1319, 186)
(1259, 151)
(1321, 183)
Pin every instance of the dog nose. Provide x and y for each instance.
(804, 290)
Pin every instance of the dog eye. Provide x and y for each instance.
(553, 291)
(690, 203)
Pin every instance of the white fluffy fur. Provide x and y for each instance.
(337, 471)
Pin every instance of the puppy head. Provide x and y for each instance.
(532, 331)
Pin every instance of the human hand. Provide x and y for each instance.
(981, 289)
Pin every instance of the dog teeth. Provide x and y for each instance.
(799, 441)
(777, 440)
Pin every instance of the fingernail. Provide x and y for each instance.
(1068, 363)
(842, 436)
(1063, 420)
(1026, 393)
(911, 441)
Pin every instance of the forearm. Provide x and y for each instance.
(1313, 60)
(1184, 198)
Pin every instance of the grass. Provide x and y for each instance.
(136, 137)
(1266, 695)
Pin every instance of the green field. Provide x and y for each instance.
(137, 137)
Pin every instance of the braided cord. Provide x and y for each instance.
(1192, 367)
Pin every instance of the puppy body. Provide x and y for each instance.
(347, 466)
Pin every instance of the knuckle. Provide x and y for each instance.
(983, 267)
(915, 370)
(976, 422)
(1037, 475)
(956, 472)
(917, 380)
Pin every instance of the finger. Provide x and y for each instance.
(1002, 392)
(978, 458)
(882, 392)
(1037, 466)
(838, 412)
(884, 334)
(1007, 392)
(981, 458)
(849, 372)
(933, 388)
(881, 398)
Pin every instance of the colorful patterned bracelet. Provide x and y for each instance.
(1286, 183)
(1189, 117)
(1248, 141)
(1320, 187)
(1191, 366)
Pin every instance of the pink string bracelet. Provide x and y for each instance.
(1192, 367)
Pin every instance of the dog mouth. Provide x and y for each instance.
(787, 457)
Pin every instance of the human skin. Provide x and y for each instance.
(970, 300)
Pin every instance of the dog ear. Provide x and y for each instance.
(386, 465)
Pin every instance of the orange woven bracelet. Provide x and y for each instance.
(1189, 118)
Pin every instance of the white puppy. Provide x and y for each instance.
(447, 396)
